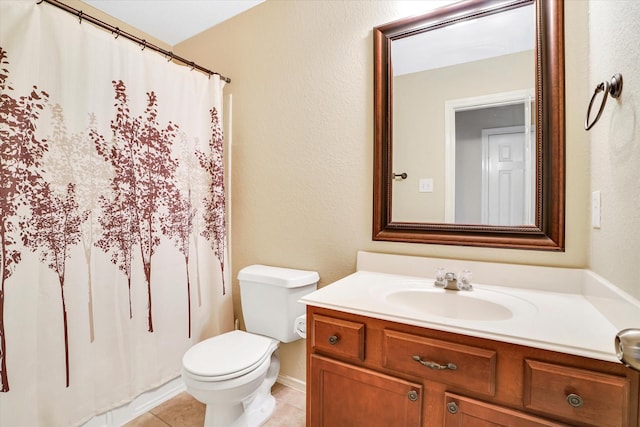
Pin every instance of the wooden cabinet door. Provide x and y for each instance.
(465, 412)
(344, 395)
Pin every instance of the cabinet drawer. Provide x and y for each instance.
(587, 397)
(338, 337)
(461, 366)
(462, 411)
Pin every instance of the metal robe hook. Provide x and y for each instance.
(613, 88)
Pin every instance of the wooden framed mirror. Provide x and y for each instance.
(541, 226)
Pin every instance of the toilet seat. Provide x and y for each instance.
(227, 356)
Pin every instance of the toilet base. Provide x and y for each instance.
(224, 415)
(252, 414)
(254, 410)
(259, 412)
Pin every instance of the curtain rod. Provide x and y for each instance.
(143, 43)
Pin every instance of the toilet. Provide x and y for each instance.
(233, 373)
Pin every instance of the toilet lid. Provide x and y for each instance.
(235, 352)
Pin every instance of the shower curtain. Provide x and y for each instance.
(112, 217)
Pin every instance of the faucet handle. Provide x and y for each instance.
(465, 280)
(440, 274)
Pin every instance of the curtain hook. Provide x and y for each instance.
(193, 65)
(170, 57)
(80, 16)
(117, 32)
(144, 44)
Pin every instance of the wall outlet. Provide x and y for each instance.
(595, 209)
(425, 185)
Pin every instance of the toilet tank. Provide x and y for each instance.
(270, 299)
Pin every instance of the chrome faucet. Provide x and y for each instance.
(450, 282)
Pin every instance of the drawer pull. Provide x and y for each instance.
(452, 408)
(412, 395)
(333, 339)
(434, 365)
(575, 400)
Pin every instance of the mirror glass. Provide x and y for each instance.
(465, 126)
(465, 142)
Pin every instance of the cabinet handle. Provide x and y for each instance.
(452, 408)
(412, 395)
(333, 339)
(574, 400)
(434, 365)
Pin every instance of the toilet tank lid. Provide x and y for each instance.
(278, 276)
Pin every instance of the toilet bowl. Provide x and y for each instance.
(237, 388)
(233, 373)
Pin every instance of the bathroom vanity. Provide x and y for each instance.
(381, 353)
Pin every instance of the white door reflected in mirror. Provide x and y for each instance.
(506, 176)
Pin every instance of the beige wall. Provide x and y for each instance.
(615, 142)
(303, 139)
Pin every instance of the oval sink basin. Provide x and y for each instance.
(482, 305)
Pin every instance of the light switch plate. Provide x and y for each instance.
(425, 185)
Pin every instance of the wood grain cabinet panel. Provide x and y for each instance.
(378, 373)
(587, 397)
(462, 366)
(350, 396)
(338, 337)
(465, 412)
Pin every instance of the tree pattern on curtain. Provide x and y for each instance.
(75, 161)
(143, 185)
(21, 155)
(214, 202)
(51, 201)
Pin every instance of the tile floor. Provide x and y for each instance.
(184, 411)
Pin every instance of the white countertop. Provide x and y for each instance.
(566, 322)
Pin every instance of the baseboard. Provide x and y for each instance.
(152, 398)
(158, 396)
(140, 405)
(294, 383)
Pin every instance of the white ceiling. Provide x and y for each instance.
(473, 40)
(173, 21)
